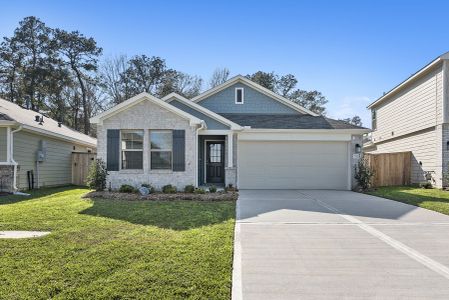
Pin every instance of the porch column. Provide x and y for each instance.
(8, 144)
(230, 150)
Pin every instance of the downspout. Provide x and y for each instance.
(14, 163)
(201, 127)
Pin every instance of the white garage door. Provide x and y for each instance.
(292, 165)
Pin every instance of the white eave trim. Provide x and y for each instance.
(257, 87)
(190, 103)
(98, 119)
(410, 79)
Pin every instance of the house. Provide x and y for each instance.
(33, 146)
(414, 116)
(237, 133)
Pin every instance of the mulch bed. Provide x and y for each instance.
(218, 196)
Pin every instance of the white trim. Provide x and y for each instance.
(410, 79)
(213, 115)
(445, 92)
(230, 150)
(243, 95)
(8, 144)
(349, 166)
(98, 119)
(259, 88)
(214, 132)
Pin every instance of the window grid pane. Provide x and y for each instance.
(161, 140)
(132, 160)
(132, 140)
(161, 160)
(215, 153)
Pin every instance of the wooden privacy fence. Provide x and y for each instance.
(390, 168)
(81, 162)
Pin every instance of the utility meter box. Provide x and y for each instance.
(41, 153)
(40, 156)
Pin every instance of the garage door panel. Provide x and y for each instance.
(292, 165)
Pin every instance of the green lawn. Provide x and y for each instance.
(432, 199)
(105, 249)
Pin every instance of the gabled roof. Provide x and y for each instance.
(412, 78)
(213, 115)
(138, 99)
(257, 87)
(13, 114)
(289, 121)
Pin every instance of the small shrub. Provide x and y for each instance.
(126, 188)
(213, 189)
(168, 189)
(96, 178)
(425, 185)
(200, 191)
(363, 174)
(150, 187)
(189, 188)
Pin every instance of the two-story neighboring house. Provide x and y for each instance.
(414, 117)
(237, 133)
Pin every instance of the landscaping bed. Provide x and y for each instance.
(218, 196)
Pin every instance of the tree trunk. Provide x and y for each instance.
(84, 100)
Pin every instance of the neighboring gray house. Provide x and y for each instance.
(414, 116)
(30, 141)
(236, 133)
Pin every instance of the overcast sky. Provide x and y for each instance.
(351, 51)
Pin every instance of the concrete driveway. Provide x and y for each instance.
(337, 245)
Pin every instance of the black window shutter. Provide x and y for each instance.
(113, 150)
(179, 150)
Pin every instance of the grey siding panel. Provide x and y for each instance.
(113, 150)
(423, 147)
(210, 122)
(179, 150)
(55, 170)
(254, 102)
(3, 144)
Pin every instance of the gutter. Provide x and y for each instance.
(201, 127)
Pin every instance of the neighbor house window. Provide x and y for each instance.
(373, 119)
(161, 149)
(239, 96)
(132, 149)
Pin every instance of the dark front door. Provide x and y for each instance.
(214, 162)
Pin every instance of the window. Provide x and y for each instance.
(132, 149)
(373, 119)
(239, 96)
(161, 149)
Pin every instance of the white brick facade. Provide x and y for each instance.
(146, 115)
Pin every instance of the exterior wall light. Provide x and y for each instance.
(447, 145)
(358, 148)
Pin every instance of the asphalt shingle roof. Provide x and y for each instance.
(287, 121)
(26, 117)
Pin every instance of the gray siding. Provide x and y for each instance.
(417, 107)
(423, 147)
(254, 102)
(210, 122)
(2, 143)
(55, 170)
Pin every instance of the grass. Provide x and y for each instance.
(113, 249)
(433, 199)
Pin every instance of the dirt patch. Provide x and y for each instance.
(219, 196)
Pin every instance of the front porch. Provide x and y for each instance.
(216, 160)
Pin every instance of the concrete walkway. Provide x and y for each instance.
(337, 245)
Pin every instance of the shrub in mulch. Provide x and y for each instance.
(219, 196)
